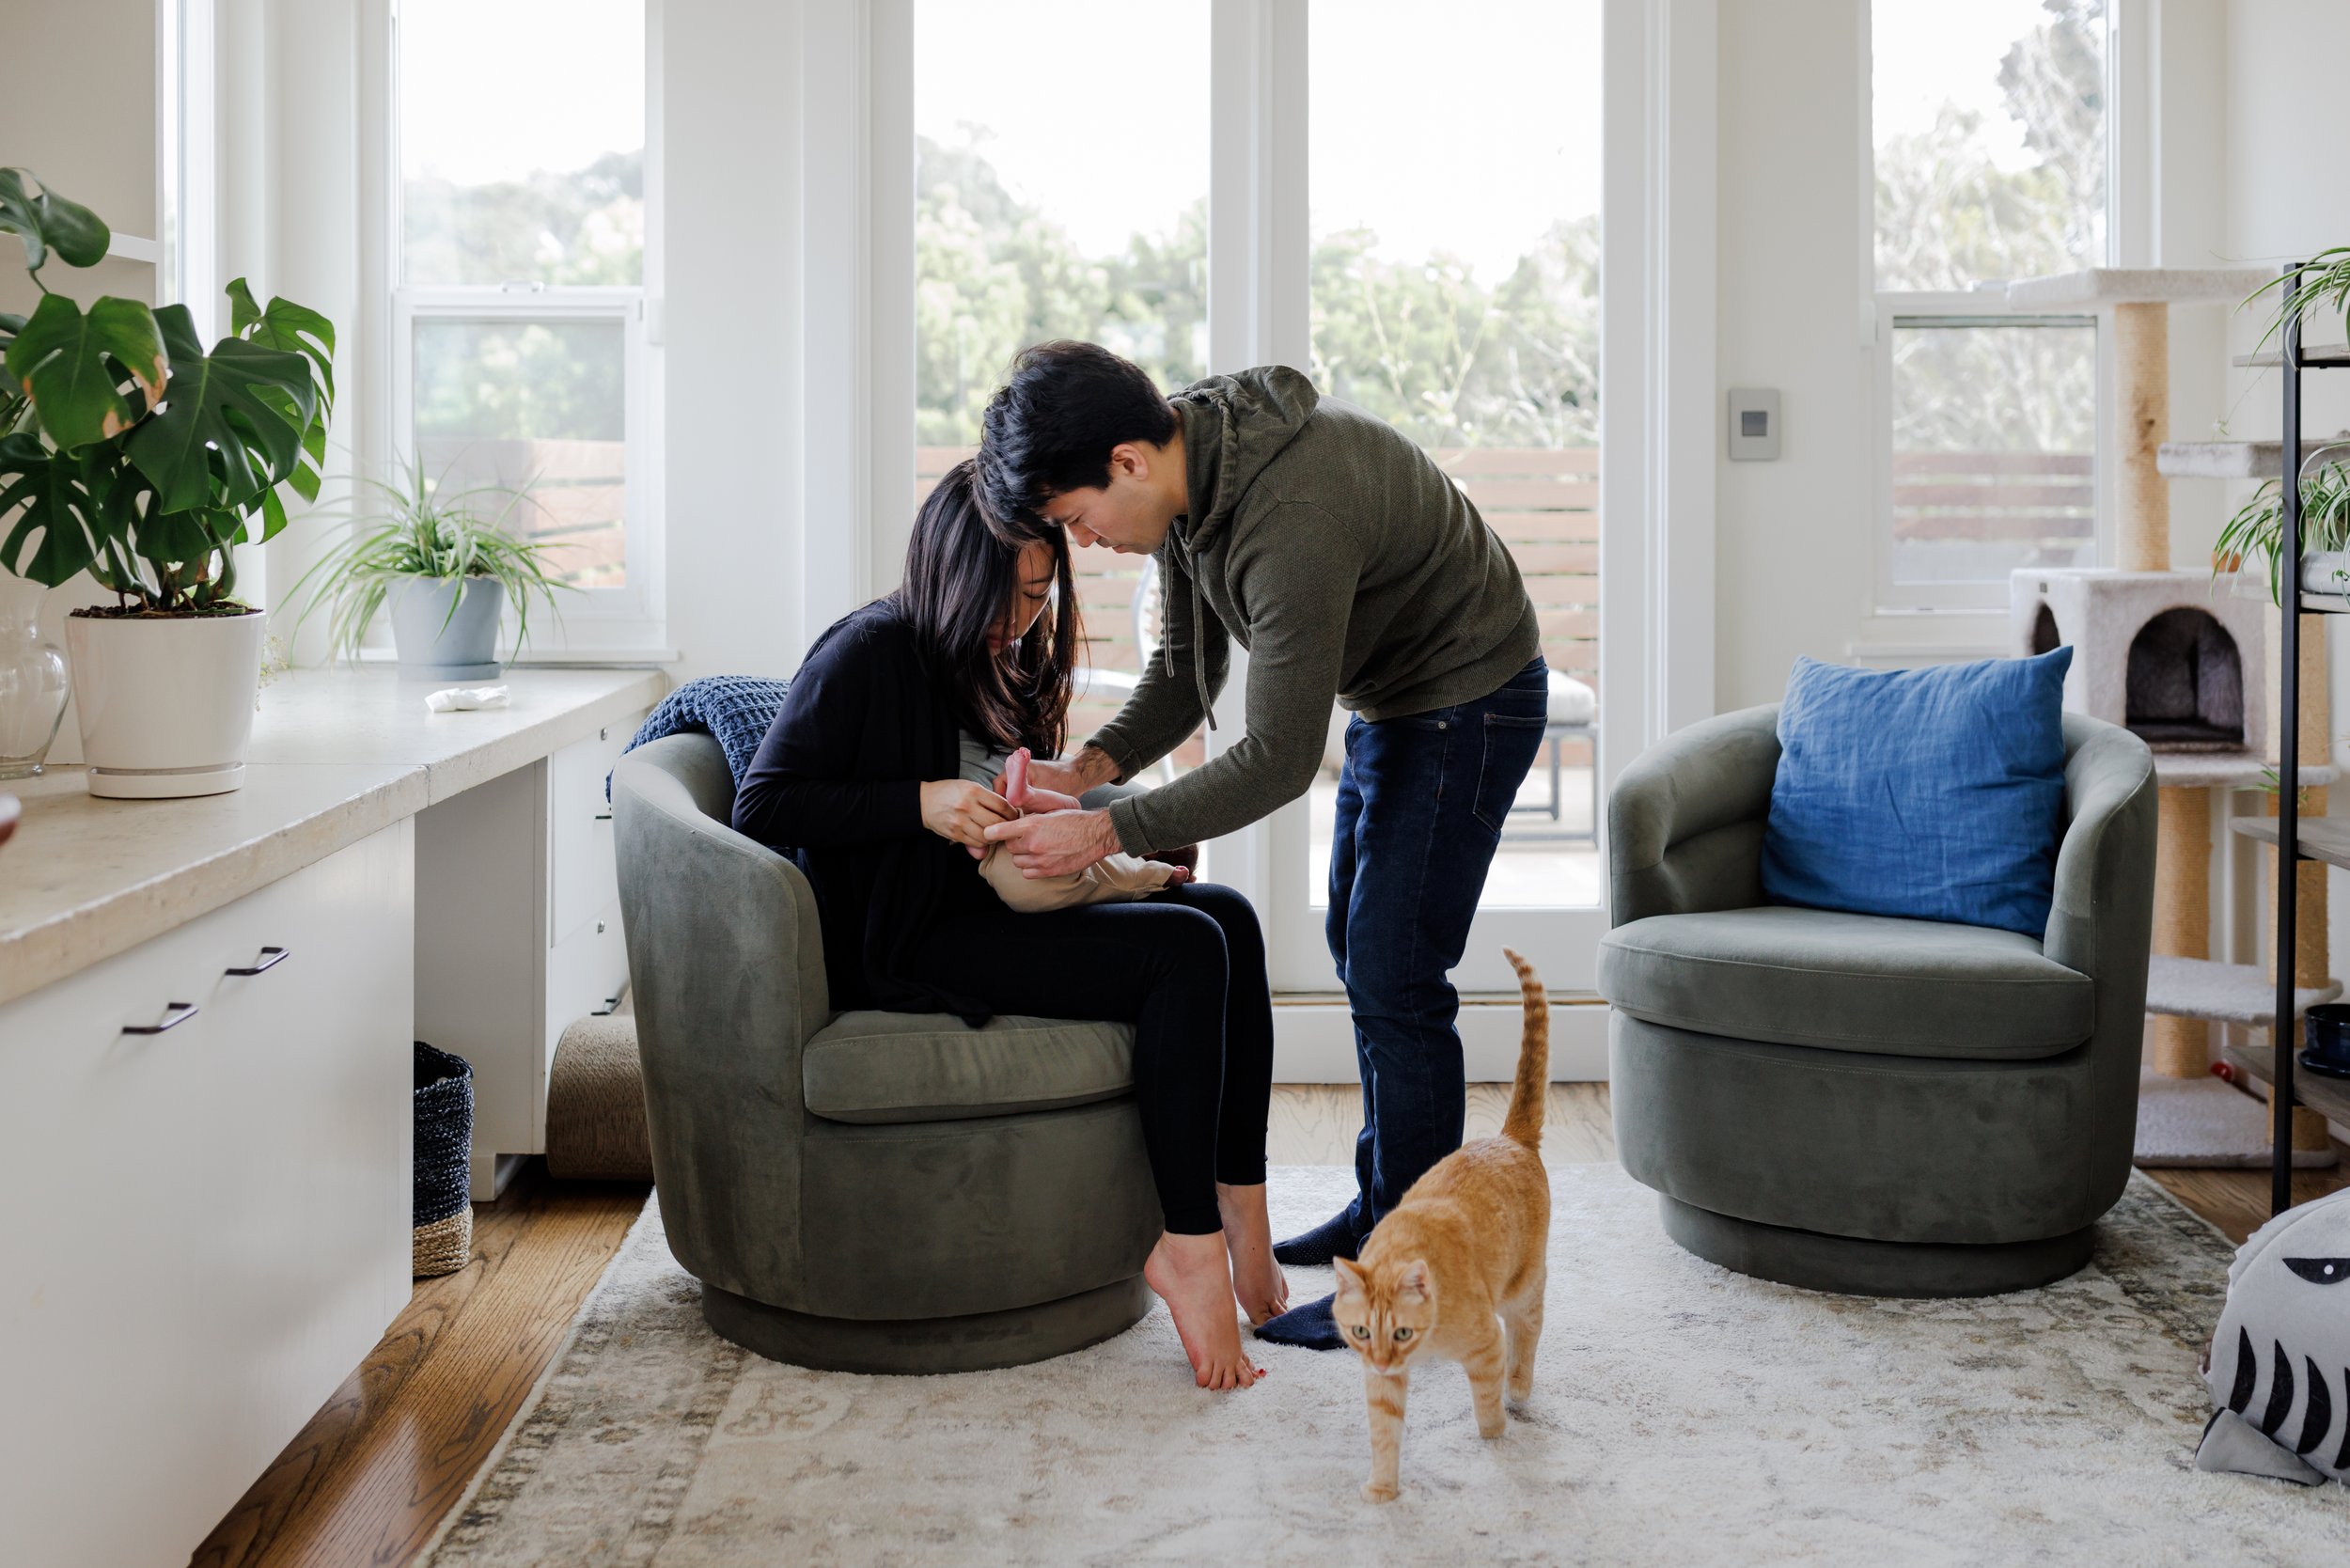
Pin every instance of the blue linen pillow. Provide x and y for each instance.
(1934, 793)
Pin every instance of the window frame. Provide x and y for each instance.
(594, 625)
(1959, 312)
(1884, 308)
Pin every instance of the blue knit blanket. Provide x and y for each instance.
(732, 709)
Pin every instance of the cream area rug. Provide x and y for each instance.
(1681, 1414)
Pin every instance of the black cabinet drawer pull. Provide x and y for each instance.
(175, 1014)
(270, 959)
(603, 816)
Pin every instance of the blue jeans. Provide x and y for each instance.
(1421, 804)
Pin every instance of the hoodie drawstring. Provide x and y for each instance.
(1198, 659)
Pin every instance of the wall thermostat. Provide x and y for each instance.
(1753, 425)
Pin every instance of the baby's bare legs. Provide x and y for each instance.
(1258, 1283)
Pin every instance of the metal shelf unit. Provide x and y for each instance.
(2326, 843)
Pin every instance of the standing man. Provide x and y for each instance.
(1348, 565)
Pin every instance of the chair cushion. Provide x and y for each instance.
(1850, 982)
(1571, 701)
(934, 1067)
(1936, 794)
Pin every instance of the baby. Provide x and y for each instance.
(1118, 879)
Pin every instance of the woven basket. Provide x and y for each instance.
(441, 1205)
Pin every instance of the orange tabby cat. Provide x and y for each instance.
(1457, 1270)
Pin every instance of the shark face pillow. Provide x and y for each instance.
(2280, 1362)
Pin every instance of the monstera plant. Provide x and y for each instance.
(131, 451)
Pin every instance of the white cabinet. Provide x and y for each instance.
(518, 932)
(206, 1228)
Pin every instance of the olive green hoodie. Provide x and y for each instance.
(1346, 563)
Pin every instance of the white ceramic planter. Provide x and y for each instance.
(166, 705)
(2326, 572)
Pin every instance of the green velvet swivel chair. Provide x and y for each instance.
(1861, 1104)
(860, 1191)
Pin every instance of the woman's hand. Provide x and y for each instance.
(961, 811)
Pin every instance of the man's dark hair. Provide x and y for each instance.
(1051, 427)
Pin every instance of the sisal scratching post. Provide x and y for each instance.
(2141, 356)
(2141, 360)
(2182, 919)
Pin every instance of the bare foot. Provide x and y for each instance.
(1189, 1274)
(1178, 877)
(1258, 1283)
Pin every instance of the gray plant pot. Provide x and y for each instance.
(436, 646)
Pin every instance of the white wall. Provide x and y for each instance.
(731, 124)
(1792, 567)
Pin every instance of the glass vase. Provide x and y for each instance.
(32, 687)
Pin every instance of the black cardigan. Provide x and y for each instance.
(838, 784)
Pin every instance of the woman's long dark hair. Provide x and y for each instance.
(961, 569)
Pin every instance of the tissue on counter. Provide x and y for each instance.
(460, 699)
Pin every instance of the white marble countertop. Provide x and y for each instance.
(337, 755)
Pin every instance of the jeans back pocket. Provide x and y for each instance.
(1511, 742)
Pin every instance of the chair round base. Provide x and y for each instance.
(1850, 1265)
(980, 1342)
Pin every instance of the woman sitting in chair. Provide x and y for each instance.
(884, 769)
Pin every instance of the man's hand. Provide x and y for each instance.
(1057, 844)
(958, 809)
(1074, 775)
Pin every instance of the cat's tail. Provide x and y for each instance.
(1524, 1122)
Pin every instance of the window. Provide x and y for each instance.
(520, 353)
(1989, 130)
(1455, 294)
(1026, 228)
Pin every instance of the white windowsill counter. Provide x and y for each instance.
(337, 755)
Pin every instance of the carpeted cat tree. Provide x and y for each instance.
(2190, 665)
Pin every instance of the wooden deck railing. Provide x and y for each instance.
(581, 494)
(2031, 499)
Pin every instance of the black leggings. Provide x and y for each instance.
(1187, 968)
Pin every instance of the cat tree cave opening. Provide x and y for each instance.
(2184, 686)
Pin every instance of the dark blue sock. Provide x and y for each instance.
(1311, 1326)
(1333, 1238)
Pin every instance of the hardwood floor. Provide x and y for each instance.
(2237, 1201)
(1316, 1123)
(369, 1479)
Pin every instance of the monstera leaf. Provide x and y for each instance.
(231, 422)
(72, 365)
(48, 222)
(296, 329)
(77, 505)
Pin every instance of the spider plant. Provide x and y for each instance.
(2258, 527)
(421, 529)
(2325, 284)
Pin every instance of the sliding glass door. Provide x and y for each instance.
(1454, 172)
(1404, 203)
